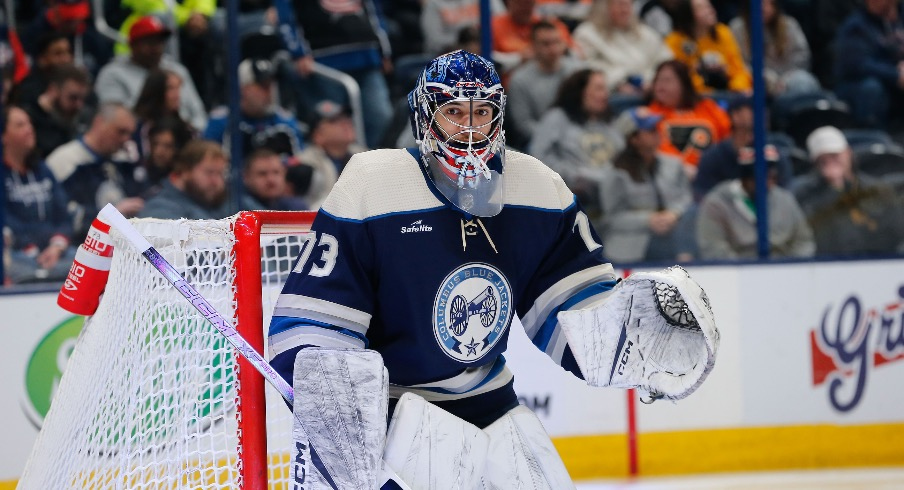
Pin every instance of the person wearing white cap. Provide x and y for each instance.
(851, 213)
(831, 155)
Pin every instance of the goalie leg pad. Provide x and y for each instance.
(656, 332)
(522, 455)
(431, 449)
(340, 415)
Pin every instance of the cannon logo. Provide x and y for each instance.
(471, 311)
(851, 341)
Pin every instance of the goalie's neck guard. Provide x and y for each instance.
(457, 113)
(476, 188)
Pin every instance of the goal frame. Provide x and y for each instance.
(252, 405)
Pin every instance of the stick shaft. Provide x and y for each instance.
(213, 316)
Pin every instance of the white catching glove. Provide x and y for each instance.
(656, 333)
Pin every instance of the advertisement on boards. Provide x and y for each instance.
(802, 344)
(37, 337)
(822, 343)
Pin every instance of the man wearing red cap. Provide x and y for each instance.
(122, 79)
(200, 39)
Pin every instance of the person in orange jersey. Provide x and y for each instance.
(690, 123)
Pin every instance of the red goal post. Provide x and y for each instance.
(248, 229)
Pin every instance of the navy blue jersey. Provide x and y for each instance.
(392, 266)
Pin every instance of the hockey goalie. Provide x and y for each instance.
(399, 306)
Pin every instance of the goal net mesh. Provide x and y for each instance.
(150, 397)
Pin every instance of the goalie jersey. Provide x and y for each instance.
(391, 265)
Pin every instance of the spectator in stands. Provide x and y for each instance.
(7, 83)
(727, 221)
(721, 161)
(263, 125)
(71, 18)
(442, 20)
(570, 12)
(690, 123)
(468, 40)
(253, 16)
(38, 229)
(52, 50)
(100, 167)
(512, 43)
(574, 137)
(58, 114)
(264, 176)
(869, 62)
(196, 188)
(160, 97)
(658, 15)
(123, 78)
(851, 213)
(165, 139)
(403, 27)
(787, 54)
(13, 62)
(616, 42)
(708, 48)
(826, 16)
(333, 142)
(199, 42)
(349, 37)
(532, 86)
(644, 194)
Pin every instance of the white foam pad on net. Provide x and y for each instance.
(431, 449)
(340, 409)
(656, 332)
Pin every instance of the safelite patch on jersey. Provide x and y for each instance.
(471, 311)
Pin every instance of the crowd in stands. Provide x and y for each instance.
(643, 107)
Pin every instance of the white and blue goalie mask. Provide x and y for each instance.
(457, 110)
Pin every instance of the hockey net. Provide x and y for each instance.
(152, 395)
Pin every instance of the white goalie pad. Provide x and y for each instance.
(340, 415)
(522, 456)
(656, 332)
(431, 449)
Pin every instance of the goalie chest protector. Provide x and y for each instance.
(431, 288)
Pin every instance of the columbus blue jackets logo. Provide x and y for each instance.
(471, 311)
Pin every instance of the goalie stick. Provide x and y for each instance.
(112, 215)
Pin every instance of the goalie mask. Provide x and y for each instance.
(456, 116)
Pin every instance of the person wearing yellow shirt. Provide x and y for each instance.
(708, 48)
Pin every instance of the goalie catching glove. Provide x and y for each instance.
(655, 332)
